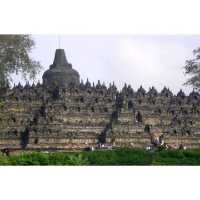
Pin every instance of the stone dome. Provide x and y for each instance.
(60, 73)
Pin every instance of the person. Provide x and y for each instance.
(92, 148)
(6, 151)
(148, 148)
(161, 141)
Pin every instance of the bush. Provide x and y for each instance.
(106, 157)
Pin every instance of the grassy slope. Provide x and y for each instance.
(114, 157)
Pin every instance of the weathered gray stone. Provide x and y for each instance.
(61, 73)
(73, 115)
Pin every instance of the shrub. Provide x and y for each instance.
(106, 157)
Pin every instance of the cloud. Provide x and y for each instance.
(149, 63)
(137, 60)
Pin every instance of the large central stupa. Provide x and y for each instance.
(61, 73)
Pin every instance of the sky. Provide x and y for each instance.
(147, 60)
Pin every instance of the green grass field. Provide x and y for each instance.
(106, 157)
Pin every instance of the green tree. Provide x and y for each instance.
(192, 68)
(15, 58)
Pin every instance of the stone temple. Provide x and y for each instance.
(63, 113)
(60, 73)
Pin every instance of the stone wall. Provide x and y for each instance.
(75, 117)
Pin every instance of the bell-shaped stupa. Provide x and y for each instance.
(61, 74)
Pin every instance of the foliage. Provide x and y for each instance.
(15, 59)
(192, 68)
(37, 158)
(67, 159)
(119, 157)
(106, 157)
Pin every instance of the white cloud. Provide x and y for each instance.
(136, 60)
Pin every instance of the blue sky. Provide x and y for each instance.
(137, 60)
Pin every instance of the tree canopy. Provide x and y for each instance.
(15, 58)
(192, 68)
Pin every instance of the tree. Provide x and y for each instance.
(192, 68)
(15, 59)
